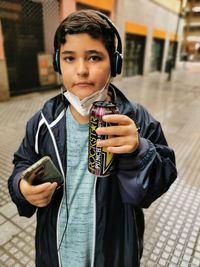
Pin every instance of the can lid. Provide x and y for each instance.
(104, 104)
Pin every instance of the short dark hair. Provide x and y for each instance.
(86, 21)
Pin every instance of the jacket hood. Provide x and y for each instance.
(53, 108)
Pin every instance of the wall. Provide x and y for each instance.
(172, 5)
(4, 87)
(50, 23)
(153, 16)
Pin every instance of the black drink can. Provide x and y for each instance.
(100, 161)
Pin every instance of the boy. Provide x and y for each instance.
(91, 221)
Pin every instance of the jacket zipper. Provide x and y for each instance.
(62, 171)
(94, 223)
(138, 245)
(57, 223)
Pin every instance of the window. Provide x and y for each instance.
(134, 55)
(157, 54)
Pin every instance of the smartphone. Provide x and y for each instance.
(42, 171)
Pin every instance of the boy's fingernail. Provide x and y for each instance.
(98, 130)
(98, 144)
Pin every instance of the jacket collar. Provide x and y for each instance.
(124, 105)
(53, 107)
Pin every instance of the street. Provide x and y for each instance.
(172, 234)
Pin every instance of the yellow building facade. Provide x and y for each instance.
(151, 32)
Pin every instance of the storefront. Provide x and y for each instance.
(135, 43)
(134, 55)
(23, 32)
(157, 54)
(172, 50)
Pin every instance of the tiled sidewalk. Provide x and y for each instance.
(172, 236)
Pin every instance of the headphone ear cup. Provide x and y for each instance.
(56, 62)
(117, 64)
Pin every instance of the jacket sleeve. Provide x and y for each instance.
(148, 172)
(23, 158)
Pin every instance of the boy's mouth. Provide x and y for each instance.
(83, 84)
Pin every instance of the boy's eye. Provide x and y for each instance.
(68, 59)
(95, 58)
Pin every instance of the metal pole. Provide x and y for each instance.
(176, 33)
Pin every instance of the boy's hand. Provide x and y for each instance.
(37, 195)
(124, 135)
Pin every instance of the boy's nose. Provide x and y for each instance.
(82, 68)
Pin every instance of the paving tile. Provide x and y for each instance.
(172, 222)
(8, 210)
(7, 231)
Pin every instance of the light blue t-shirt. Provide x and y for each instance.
(75, 228)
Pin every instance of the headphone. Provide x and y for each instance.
(116, 64)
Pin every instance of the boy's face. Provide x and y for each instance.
(85, 64)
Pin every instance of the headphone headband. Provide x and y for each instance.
(111, 24)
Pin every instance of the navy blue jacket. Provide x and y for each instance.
(139, 179)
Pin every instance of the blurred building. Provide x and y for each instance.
(150, 31)
(191, 37)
